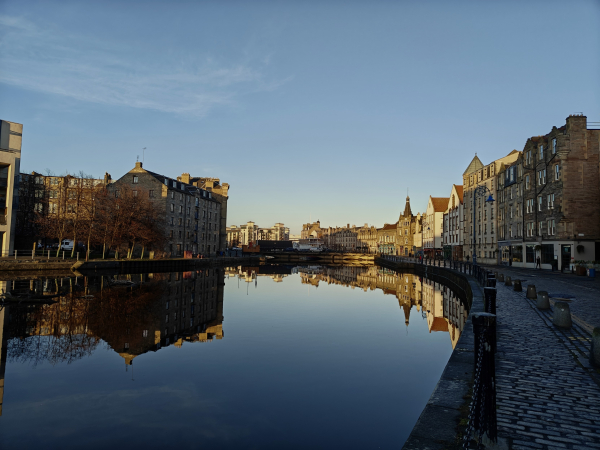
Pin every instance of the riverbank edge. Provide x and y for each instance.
(437, 426)
(23, 268)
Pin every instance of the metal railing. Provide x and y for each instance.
(482, 411)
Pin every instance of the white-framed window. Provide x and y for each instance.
(541, 177)
(526, 181)
(541, 153)
(550, 200)
(172, 207)
(552, 227)
(529, 224)
(540, 228)
(540, 201)
(528, 157)
(557, 172)
(135, 179)
(554, 146)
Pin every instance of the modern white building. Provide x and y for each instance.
(11, 135)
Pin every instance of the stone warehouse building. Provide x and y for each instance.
(510, 212)
(192, 215)
(561, 192)
(433, 226)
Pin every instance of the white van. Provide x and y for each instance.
(67, 244)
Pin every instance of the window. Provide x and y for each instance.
(529, 229)
(134, 193)
(528, 157)
(541, 154)
(526, 181)
(540, 201)
(530, 253)
(117, 193)
(511, 212)
(542, 177)
(180, 209)
(540, 228)
(135, 179)
(550, 200)
(551, 227)
(151, 193)
(554, 146)
(557, 172)
(171, 234)
(172, 207)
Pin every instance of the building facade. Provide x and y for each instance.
(561, 193)
(192, 217)
(405, 230)
(433, 227)
(11, 136)
(479, 178)
(510, 212)
(453, 225)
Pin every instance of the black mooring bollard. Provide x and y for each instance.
(490, 299)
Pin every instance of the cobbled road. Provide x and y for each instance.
(548, 395)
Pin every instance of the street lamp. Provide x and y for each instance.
(479, 192)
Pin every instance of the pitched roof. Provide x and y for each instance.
(439, 324)
(459, 191)
(475, 164)
(389, 226)
(407, 210)
(440, 203)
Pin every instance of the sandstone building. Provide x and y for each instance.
(192, 215)
(433, 227)
(245, 234)
(474, 176)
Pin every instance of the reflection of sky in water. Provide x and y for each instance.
(299, 366)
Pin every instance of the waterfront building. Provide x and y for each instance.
(249, 233)
(405, 230)
(192, 217)
(433, 226)
(386, 239)
(480, 178)
(11, 135)
(311, 230)
(219, 192)
(510, 212)
(367, 239)
(63, 199)
(561, 195)
(418, 235)
(454, 224)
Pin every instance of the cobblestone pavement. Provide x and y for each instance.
(582, 293)
(548, 397)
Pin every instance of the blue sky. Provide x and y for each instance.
(322, 110)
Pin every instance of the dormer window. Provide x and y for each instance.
(175, 184)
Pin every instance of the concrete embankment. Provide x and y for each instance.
(322, 257)
(437, 426)
(157, 265)
(17, 269)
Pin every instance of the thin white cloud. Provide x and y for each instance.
(52, 61)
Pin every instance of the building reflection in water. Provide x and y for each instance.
(136, 314)
(443, 310)
(132, 315)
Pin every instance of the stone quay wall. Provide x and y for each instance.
(438, 424)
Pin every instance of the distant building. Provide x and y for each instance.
(249, 233)
(311, 230)
(11, 135)
(406, 228)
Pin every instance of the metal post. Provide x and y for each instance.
(63, 255)
(15, 254)
(483, 407)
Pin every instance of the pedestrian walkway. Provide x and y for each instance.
(548, 396)
(582, 293)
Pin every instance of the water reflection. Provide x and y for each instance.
(131, 315)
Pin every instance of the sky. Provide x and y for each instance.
(310, 110)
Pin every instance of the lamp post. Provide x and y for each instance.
(479, 192)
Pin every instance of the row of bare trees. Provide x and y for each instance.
(85, 210)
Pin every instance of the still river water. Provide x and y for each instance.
(247, 357)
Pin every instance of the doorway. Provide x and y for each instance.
(565, 255)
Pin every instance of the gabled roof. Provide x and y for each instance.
(440, 204)
(439, 324)
(459, 191)
(475, 164)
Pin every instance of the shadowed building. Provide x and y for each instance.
(11, 135)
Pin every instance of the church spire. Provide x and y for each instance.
(407, 210)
